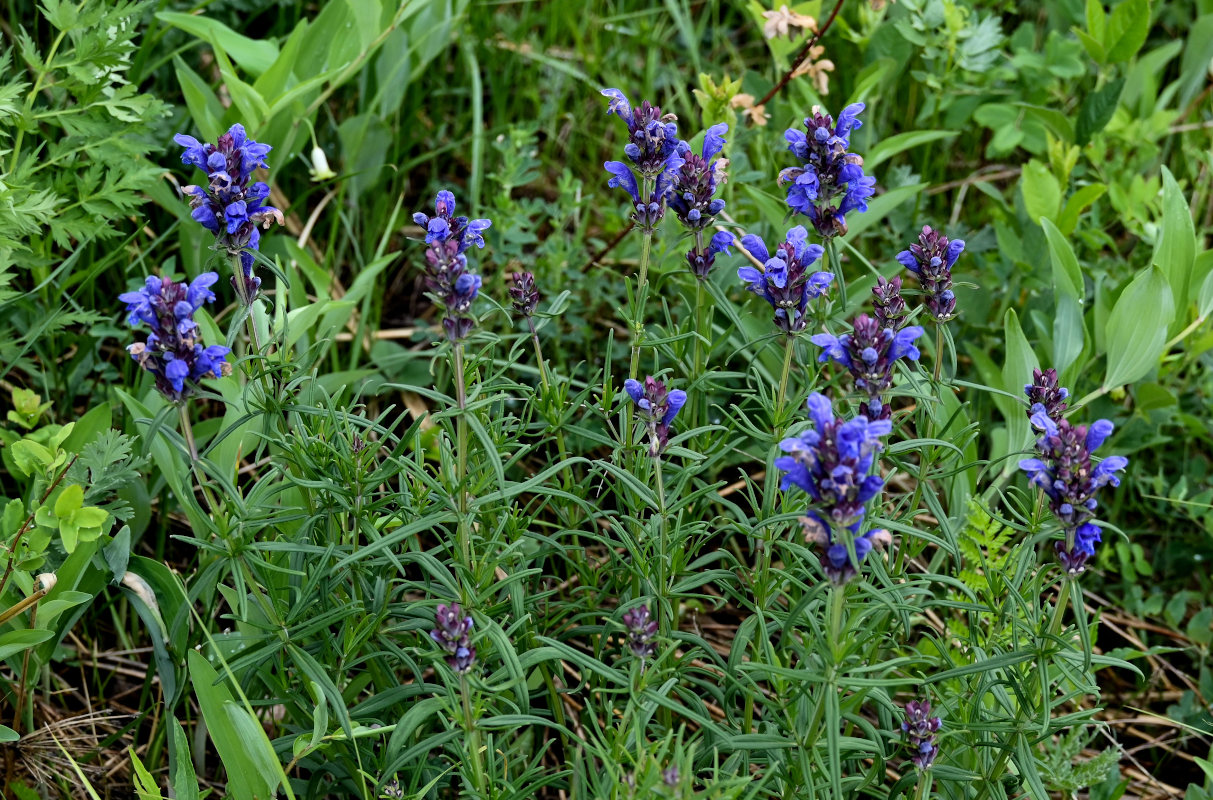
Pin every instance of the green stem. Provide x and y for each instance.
(697, 364)
(461, 456)
(923, 791)
(788, 348)
(246, 301)
(938, 352)
(837, 606)
(473, 739)
(663, 557)
(187, 432)
(835, 266)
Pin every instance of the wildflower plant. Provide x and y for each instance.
(829, 183)
(785, 279)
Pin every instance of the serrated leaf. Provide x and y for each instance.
(1136, 330)
(1096, 111)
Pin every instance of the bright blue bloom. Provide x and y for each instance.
(448, 238)
(869, 352)
(229, 206)
(172, 352)
(653, 149)
(785, 280)
(828, 174)
(657, 408)
(1067, 475)
(833, 462)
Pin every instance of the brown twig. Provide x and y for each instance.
(801, 56)
(611, 245)
(8, 569)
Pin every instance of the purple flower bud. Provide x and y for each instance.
(642, 629)
(452, 634)
(931, 260)
(657, 407)
(523, 293)
(889, 306)
(920, 729)
(1044, 391)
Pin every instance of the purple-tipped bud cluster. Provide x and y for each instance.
(1071, 480)
(671, 776)
(829, 183)
(785, 280)
(1044, 391)
(888, 304)
(869, 353)
(920, 729)
(653, 150)
(657, 407)
(228, 206)
(448, 277)
(523, 293)
(931, 260)
(453, 635)
(693, 197)
(833, 462)
(642, 629)
(172, 352)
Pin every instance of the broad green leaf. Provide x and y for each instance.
(205, 109)
(1175, 252)
(1128, 25)
(1078, 203)
(1136, 330)
(69, 500)
(255, 55)
(1097, 20)
(182, 777)
(1041, 191)
(1069, 333)
(238, 737)
(1204, 296)
(1016, 373)
(7, 735)
(1067, 275)
(898, 143)
(14, 642)
(98, 420)
(1198, 53)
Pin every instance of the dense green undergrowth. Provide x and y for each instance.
(226, 586)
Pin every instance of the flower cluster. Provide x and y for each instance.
(229, 206)
(452, 635)
(1071, 480)
(833, 463)
(1044, 391)
(920, 729)
(828, 173)
(889, 307)
(523, 294)
(447, 239)
(785, 280)
(653, 149)
(870, 352)
(642, 628)
(657, 406)
(172, 352)
(931, 260)
(692, 197)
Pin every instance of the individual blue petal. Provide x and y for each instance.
(437, 231)
(831, 347)
(1086, 536)
(618, 104)
(205, 216)
(908, 261)
(473, 234)
(1105, 471)
(818, 284)
(634, 388)
(622, 176)
(1098, 433)
(755, 247)
(674, 401)
(713, 140)
(820, 410)
(721, 242)
(444, 203)
(955, 248)
(176, 370)
(754, 279)
(848, 121)
(903, 343)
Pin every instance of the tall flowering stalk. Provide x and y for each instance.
(231, 205)
(452, 632)
(834, 463)
(642, 629)
(931, 260)
(869, 353)
(1071, 480)
(920, 728)
(451, 283)
(653, 157)
(657, 406)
